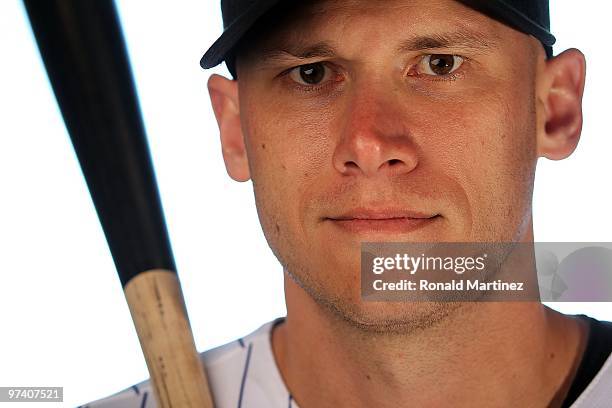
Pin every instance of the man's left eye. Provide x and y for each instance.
(311, 74)
(439, 64)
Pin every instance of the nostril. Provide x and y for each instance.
(393, 162)
(351, 165)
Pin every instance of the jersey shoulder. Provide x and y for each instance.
(227, 367)
(599, 391)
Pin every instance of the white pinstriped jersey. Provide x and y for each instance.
(243, 374)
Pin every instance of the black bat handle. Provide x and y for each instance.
(82, 46)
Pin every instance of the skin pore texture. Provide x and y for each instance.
(381, 131)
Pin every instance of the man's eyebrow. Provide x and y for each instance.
(318, 50)
(465, 39)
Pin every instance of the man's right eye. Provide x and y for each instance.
(311, 74)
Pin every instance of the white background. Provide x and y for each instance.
(63, 318)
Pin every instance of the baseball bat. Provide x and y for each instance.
(82, 47)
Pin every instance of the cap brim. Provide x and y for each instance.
(234, 33)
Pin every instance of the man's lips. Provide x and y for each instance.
(382, 220)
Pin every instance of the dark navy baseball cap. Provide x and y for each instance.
(239, 16)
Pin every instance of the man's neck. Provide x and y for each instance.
(483, 354)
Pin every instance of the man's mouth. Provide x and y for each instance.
(363, 220)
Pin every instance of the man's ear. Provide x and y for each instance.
(224, 97)
(559, 94)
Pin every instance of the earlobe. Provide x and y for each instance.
(224, 98)
(560, 90)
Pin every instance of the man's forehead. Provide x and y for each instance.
(319, 28)
(459, 39)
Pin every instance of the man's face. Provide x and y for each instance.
(412, 121)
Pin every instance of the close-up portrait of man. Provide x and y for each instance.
(396, 121)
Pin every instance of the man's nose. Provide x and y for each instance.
(375, 136)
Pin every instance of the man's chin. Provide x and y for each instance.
(341, 297)
(393, 317)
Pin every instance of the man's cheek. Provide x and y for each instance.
(459, 137)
